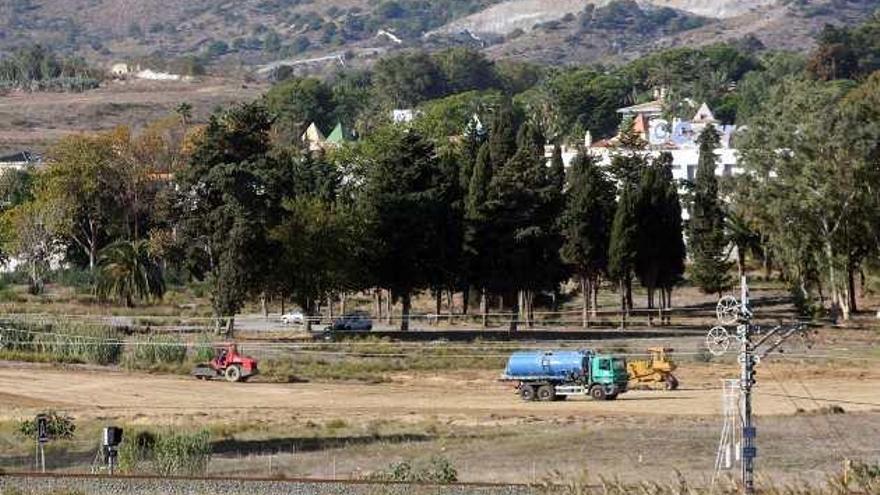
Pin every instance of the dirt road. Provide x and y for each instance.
(130, 396)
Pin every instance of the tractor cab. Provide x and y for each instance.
(660, 359)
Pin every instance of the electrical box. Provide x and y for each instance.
(112, 436)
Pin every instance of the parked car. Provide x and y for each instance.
(293, 318)
(354, 322)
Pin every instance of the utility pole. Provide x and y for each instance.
(746, 382)
(755, 344)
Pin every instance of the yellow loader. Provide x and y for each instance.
(657, 370)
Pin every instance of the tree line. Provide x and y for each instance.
(454, 204)
(35, 67)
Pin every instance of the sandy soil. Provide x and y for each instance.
(33, 120)
(92, 393)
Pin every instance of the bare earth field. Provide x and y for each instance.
(35, 120)
(343, 429)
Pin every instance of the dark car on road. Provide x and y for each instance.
(350, 323)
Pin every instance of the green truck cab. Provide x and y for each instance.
(554, 375)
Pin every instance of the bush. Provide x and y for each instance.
(59, 426)
(158, 349)
(68, 343)
(438, 469)
(204, 350)
(135, 451)
(182, 454)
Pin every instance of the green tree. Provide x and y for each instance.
(319, 240)
(586, 226)
(629, 158)
(466, 70)
(587, 100)
(477, 225)
(706, 225)
(661, 253)
(453, 115)
(298, 102)
(835, 57)
(623, 247)
(811, 158)
(127, 271)
(406, 80)
(671, 237)
(16, 187)
(83, 185)
(402, 204)
(524, 204)
(502, 136)
(29, 233)
(230, 197)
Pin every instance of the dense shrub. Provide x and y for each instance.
(70, 342)
(58, 426)
(437, 469)
(158, 349)
(182, 453)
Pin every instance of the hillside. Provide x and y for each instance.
(243, 34)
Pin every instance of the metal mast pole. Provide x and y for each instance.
(747, 360)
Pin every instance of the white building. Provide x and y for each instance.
(679, 138)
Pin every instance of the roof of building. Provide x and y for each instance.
(640, 124)
(704, 115)
(339, 135)
(313, 134)
(651, 107)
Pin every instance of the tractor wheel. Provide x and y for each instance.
(597, 393)
(527, 393)
(233, 373)
(546, 393)
(671, 382)
(611, 397)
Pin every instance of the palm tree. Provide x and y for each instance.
(127, 271)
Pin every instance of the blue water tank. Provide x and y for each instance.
(547, 364)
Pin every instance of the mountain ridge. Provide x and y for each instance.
(252, 33)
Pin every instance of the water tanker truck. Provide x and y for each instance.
(556, 375)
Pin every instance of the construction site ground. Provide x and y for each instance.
(814, 410)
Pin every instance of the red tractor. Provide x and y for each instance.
(227, 363)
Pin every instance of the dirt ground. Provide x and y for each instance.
(344, 429)
(35, 120)
(474, 395)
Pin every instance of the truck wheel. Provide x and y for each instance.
(597, 393)
(671, 382)
(233, 373)
(546, 393)
(527, 393)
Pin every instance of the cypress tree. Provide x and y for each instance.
(672, 266)
(477, 226)
(502, 138)
(660, 260)
(557, 168)
(524, 206)
(706, 226)
(649, 202)
(629, 158)
(586, 226)
(402, 200)
(623, 249)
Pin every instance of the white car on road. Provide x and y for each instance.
(293, 318)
